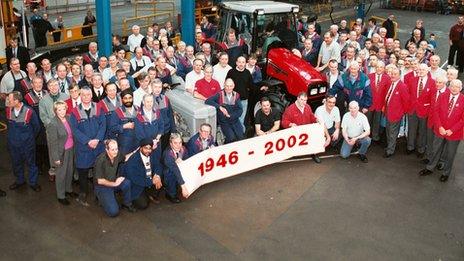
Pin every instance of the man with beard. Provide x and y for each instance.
(122, 125)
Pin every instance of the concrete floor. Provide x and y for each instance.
(337, 210)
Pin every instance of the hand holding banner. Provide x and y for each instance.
(245, 155)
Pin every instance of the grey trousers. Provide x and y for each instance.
(392, 131)
(429, 149)
(374, 120)
(64, 174)
(417, 129)
(446, 147)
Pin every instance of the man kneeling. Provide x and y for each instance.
(355, 130)
(108, 182)
(144, 173)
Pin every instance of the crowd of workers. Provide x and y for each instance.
(108, 118)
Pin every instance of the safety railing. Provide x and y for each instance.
(153, 6)
(64, 6)
(70, 34)
(145, 21)
(207, 11)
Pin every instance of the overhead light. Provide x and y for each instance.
(260, 11)
(295, 10)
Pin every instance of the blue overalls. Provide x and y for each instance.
(146, 129)
(107, 108)
(171, 173)
(230, 126)
(22, 131)
(161, 104)
(127, 140)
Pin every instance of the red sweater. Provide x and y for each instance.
(293, 115)
(207, 89)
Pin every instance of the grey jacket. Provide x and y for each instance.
(46, 108)
(57, 136)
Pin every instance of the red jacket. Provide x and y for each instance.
(70, 106)
(453, 121)
(408, 77)
(418, 104)
(433, 101)
(379, 92)
(398, 104)
(293, 115)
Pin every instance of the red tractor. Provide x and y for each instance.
(284, 73)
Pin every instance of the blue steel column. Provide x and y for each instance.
(103, 10)
(188, 21)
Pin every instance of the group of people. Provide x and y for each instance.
(109, 119)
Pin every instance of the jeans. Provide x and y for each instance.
(364, 144)
(107, 198)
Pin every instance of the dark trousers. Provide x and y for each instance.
(334, 143)
(446, 147)
(142, 201)
(108, 200)
(164, 140)
(374, 120)
(452, 52)
(43, 162)
(417, 133)
(232, 132)
(83, 180)
(170, 185)
(19, 157)
(392, 131)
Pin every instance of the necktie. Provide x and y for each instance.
(99, 94)
(177, 155)
(158, 99)
(39, 95)
(378, 82)
(389, 94)
(62, 86)
(450, 105)
(421, 87)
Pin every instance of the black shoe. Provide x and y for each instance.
(71, 194)
(387, 155)
(2, 193)
(130, 208)
(316, 159)
(15, 186)
(425, 172)
(440, 165)
(409, 152)
(425, 161)
(420, 155)
(174, 200)
(443, 178)
(63, 201)
(36, 187)
(363, 158)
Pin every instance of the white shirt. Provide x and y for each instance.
(191, 78)
(220, 73)
(146, 164)
(438, 72)
(76, 101)
(454, 102)
(149, 115)
(134, 41)
(332, 79)
(138, 96)
(107, 74)
(329, 118)
(355, 126)
(329, 52)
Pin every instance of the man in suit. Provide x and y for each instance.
(98, 92)
(19, 52)
(396, 104)
(448, 129)
(62, 77)
(420, 89)
(145, 175)
(380, 82)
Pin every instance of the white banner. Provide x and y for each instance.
(245, 155)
